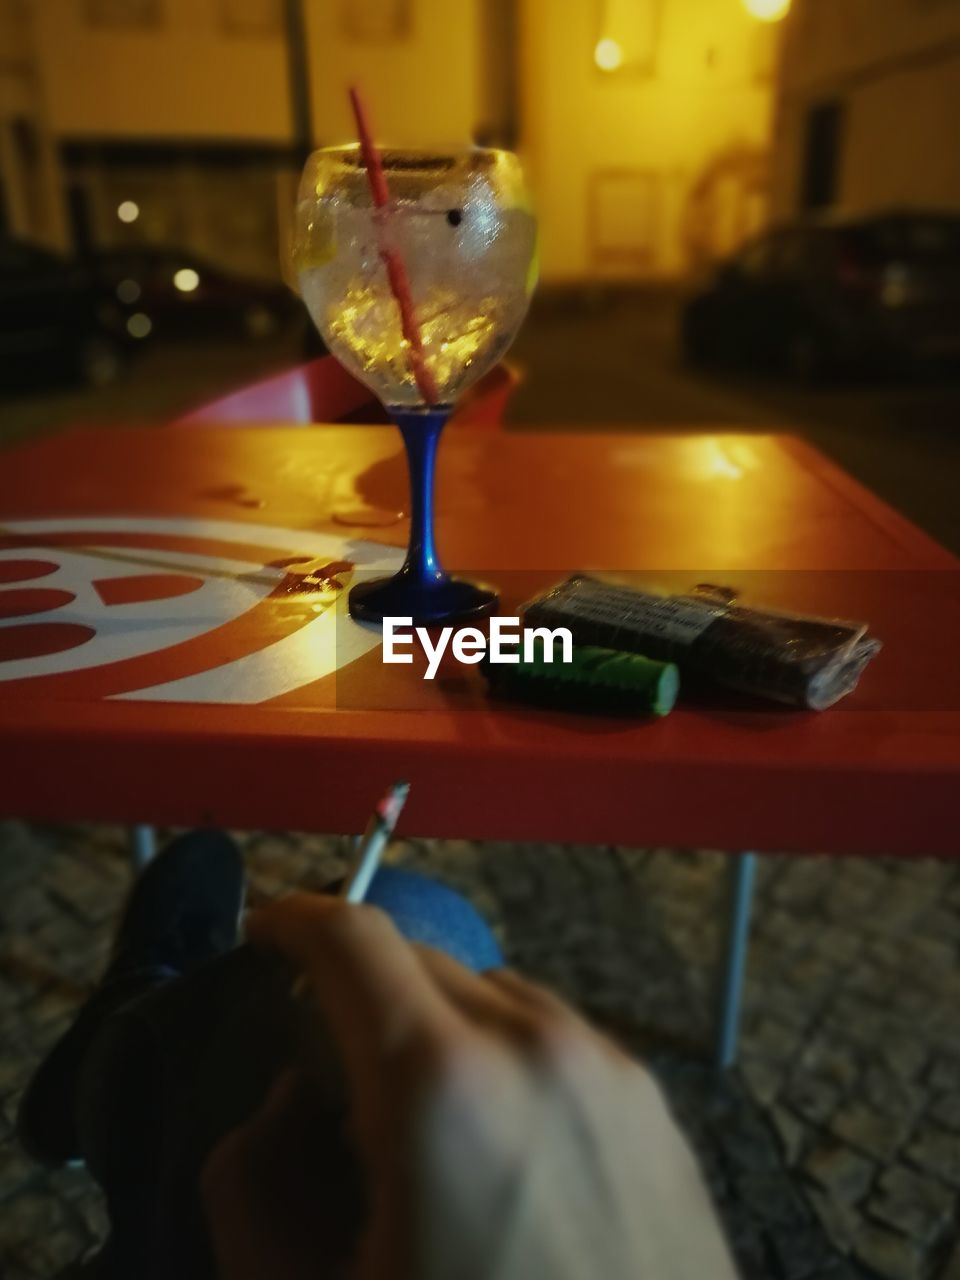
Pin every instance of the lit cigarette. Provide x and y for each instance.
(374, 841)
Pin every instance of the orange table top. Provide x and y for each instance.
(156, 667)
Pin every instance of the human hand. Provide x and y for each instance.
(500, 1137)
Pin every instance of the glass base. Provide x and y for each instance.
(441, 603)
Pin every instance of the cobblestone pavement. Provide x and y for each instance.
(833, 1152)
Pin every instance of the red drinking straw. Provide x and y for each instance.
(396, 271)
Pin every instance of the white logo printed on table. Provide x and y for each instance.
(68, 605)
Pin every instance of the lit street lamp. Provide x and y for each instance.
(608, 55)
(767, 10)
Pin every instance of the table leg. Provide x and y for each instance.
(143, 845)
(733, 957)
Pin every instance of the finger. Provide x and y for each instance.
(530, 994)
(368, 982)
(550, 1006)
(481, 1001)
(522, 1011)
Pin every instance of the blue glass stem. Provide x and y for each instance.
(421, 435)
(421, 590)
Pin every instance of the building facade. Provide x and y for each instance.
(868, 107)
(166, 121)
(644, 124)
(31, 185)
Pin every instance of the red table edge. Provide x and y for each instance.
(512, 795)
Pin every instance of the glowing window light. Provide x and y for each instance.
(139, 325)
(186, 280)
(767, 10)
(608, 55)
(128, 211)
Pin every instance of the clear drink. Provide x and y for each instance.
(462, 226)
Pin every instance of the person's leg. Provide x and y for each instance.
(183, 909)
(165, 1078)
(426, 911)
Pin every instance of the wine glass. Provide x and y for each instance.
(460, 225)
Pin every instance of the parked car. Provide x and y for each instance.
(176, 293)
(813, 297)
(55, 321)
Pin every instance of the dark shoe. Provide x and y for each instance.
(183, 910)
